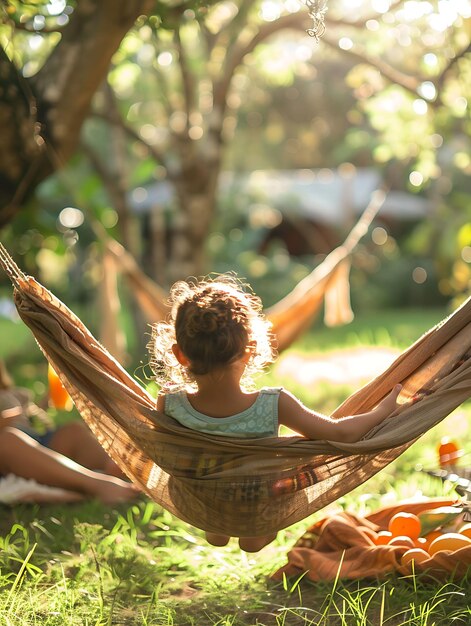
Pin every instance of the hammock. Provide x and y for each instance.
(243, 487)
(292, 315)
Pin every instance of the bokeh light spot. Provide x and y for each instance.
(419, 275)
(71, 217)
(379, 236)
(466, 254)
(416, 178)
(420, 106)
(345, 43)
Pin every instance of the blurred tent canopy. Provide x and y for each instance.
(290, 317)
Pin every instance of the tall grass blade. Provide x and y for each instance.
(19, 576)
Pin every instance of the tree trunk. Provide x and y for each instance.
(41, 117)
(158, 253)
(21, 148)
(196, 191)
(191, 226)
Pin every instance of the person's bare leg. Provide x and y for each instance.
(254, 544)
(217, 540)
(23, 456)
(76, 441)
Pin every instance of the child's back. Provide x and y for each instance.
(203, 357)
(255, 415)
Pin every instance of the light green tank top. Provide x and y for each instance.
(259, 420)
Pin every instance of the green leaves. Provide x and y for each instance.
(436, 518)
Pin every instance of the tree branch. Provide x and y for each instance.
(407, 82)
(66, 83)
(161, 78)
(116, 193)
(117, 120)
(236, 56)
(236, 24)
(171, 15)
(443, 75)
(301, 21)
(188, 86)
(360, 23)
(209, 37)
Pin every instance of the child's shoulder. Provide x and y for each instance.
(271, 390)
(288, 399)
(174, 391)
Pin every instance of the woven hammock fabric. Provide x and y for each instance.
(243, 487)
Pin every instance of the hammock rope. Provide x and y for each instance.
(294, 313)
(235, 486)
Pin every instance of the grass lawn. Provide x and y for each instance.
(91, 565)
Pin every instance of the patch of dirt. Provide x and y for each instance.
(349, 366)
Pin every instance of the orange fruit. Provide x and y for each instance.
(448, 451)
(449, 541)
(58, 394)
(401, 540)
(415, 554)
(465, 530)
(383, 537)
(406, 524)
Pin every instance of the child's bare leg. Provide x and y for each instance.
(76, 441)
(254, 544)
(217, 540)
(23, 456)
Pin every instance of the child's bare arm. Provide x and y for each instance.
(313, 425)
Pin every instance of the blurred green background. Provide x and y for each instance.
(220, 136)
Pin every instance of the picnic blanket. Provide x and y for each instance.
(339, 545)
(14, 489)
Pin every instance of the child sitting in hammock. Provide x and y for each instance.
(203, 358)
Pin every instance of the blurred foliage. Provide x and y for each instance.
(243, 222)
(395, 273)
(389, 90)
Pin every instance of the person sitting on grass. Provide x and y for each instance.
(203, 359)
(68, 457)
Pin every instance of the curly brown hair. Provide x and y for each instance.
(213, 321)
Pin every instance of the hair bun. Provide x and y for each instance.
(213, 322)
(209, 319)
(201, 322)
